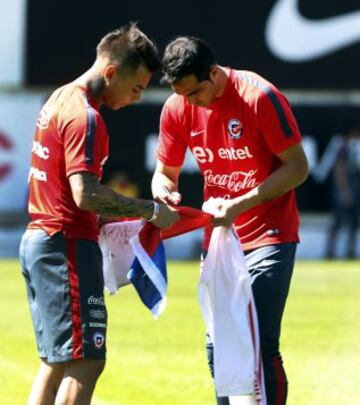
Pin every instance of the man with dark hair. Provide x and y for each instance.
(59, 252)
(247, 144)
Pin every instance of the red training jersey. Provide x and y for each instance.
(70, 137)
(235, 141)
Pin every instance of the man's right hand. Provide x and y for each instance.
(164, 184)
(166, 196)
(166, 217)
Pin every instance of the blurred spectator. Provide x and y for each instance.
(346, 193)
(121, 183)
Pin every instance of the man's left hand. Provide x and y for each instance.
(225, 212)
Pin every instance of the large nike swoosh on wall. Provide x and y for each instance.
(294, 38)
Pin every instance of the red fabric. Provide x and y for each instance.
(77, 338)
(190, 219)
(70, 137)
(235, 141)
(281, 382)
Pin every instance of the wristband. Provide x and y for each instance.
(155, 212)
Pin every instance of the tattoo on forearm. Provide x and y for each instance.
(106, 202)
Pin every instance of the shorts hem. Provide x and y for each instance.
(68, 357)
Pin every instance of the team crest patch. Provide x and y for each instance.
(235, 128)
(99, 340)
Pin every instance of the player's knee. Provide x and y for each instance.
(92, 368)
(85, 370)
(52, 370)
(98, 367)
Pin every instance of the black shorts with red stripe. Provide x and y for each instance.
(65, 289)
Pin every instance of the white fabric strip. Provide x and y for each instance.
(117, 252)
(225, 294)
(152, 272)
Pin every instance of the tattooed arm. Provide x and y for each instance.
(90, 195)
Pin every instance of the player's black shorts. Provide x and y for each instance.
(65, 287)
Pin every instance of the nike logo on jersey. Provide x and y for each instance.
(294, 38)
(195, 133)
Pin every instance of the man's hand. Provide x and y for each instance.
(166, 217)
(226, 213)
(292, 172)
(166, 196)
(164, 184)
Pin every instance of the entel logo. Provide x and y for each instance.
(204, 155)
(6, 145)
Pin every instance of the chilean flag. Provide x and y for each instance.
(147, 260)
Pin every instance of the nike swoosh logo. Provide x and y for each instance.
(294, 38)
(194, 133)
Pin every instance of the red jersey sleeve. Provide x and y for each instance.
(277, 121)
(85, 143)
(172, 144)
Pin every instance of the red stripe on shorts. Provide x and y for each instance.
(77, 335)
(281, 383)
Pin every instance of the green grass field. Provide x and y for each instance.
(163, 362)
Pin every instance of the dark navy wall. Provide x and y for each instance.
(62, 35)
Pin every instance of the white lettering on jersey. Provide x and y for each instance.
(234, 182)
(234, 154)
(37, 174)
(41, 151)
(204, 155)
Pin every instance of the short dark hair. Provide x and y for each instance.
(185, 56)
(129, 47)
